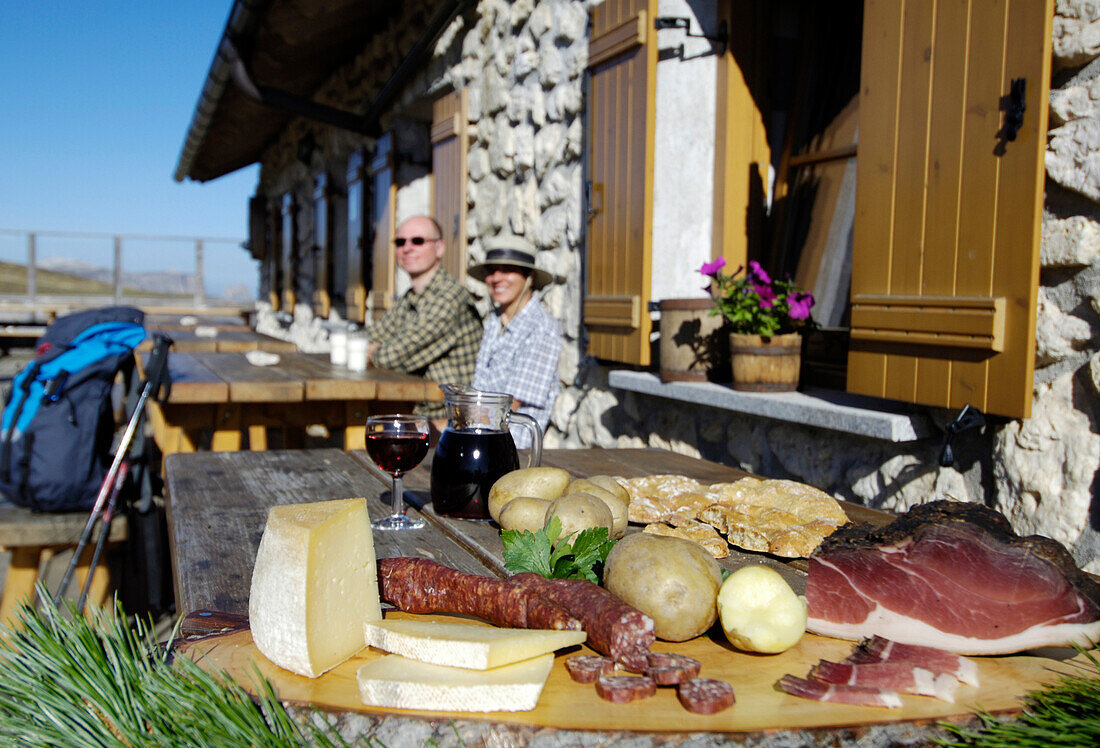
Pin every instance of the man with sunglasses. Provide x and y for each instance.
(434, 329)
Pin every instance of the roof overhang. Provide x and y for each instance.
(287, 46)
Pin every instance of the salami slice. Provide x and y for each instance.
(589, 668)
(705, 695)
(614, 628)
(669, 668)
(623, 688)
(420, 585)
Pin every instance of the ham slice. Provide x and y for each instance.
(952, 576)
(903, 677)
(857, 695)
(877, 649)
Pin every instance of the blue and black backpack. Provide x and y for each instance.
(58, 423)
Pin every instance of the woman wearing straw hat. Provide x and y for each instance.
(521, 343)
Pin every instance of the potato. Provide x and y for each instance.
(760, 612)
(608, 483)
(618, 507)
(673, 581)
(578, 511)
(538, 483)
(524, 513)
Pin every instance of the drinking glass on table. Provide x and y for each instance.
(397, 443)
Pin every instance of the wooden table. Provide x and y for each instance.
(217, 505)
(224, 340)
(218, 397)
(176, 322)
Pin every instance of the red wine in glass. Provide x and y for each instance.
(397, 443)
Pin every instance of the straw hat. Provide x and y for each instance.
(512, 250)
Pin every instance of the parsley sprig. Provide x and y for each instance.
(536, 551)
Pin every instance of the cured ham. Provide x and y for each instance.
(877, 649)
(857, 695)
(903, 677)
(953, 576)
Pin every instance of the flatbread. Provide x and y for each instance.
(697, 532)
(782, 517)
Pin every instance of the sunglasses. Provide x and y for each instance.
(416, 241)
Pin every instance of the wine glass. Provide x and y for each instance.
(397, 443)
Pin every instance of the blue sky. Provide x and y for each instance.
(95, 101)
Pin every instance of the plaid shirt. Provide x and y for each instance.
(433, 334)
(522, 360)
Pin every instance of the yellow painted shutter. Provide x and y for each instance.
(449, 177)
(383, 201)
(945, 264)
(622, 64)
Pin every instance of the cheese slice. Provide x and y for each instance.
(395, 682)
(463, 644)
(314, 585)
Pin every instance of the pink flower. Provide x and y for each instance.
(712, 268)
(767, 296)
(799, 305)
(758, 272)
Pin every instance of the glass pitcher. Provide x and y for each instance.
(475, 449)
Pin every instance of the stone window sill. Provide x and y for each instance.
(826, 409)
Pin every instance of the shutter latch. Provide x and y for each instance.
(968, 418)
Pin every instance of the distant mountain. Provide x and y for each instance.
(163, 282)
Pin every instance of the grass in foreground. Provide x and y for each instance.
(1065, 713)
(67, 680)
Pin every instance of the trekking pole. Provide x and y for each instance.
(104, 531)
(156, 378)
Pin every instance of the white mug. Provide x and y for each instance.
(338, 352)
(357, 352)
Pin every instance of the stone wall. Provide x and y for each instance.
(522, 64)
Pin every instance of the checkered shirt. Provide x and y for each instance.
(433, 334)
(522, 360)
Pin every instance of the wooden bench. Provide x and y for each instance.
(33, 539)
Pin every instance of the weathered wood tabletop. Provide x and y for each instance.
(217, 397)
(220, 340)
(217, 505)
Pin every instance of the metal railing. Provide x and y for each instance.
(33, 295)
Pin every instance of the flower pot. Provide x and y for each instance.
(693, 346)
(765, 364)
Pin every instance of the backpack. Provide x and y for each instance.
(58, 423)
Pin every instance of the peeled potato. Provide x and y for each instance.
(578, 511)
(538, 482)
(524, 513)
(619, 507)
(760, 612)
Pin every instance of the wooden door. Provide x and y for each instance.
(622, 70)
(945, 252)
(449, 149)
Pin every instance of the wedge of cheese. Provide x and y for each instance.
(465, 645)
(314, 586)
(395, 682)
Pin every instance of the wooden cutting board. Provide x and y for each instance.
(565, 704)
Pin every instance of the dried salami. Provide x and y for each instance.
(669, 668)
(420, 585)
(589, 668)
(623, 688)
(614, 628)
(705, 695)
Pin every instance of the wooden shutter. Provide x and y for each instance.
(622, 67)
(355, 296)
(945, 265)
(383, 199)
(449, 148)
(322, 245)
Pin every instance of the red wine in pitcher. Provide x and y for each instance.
(467, 463)
(397, 454)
